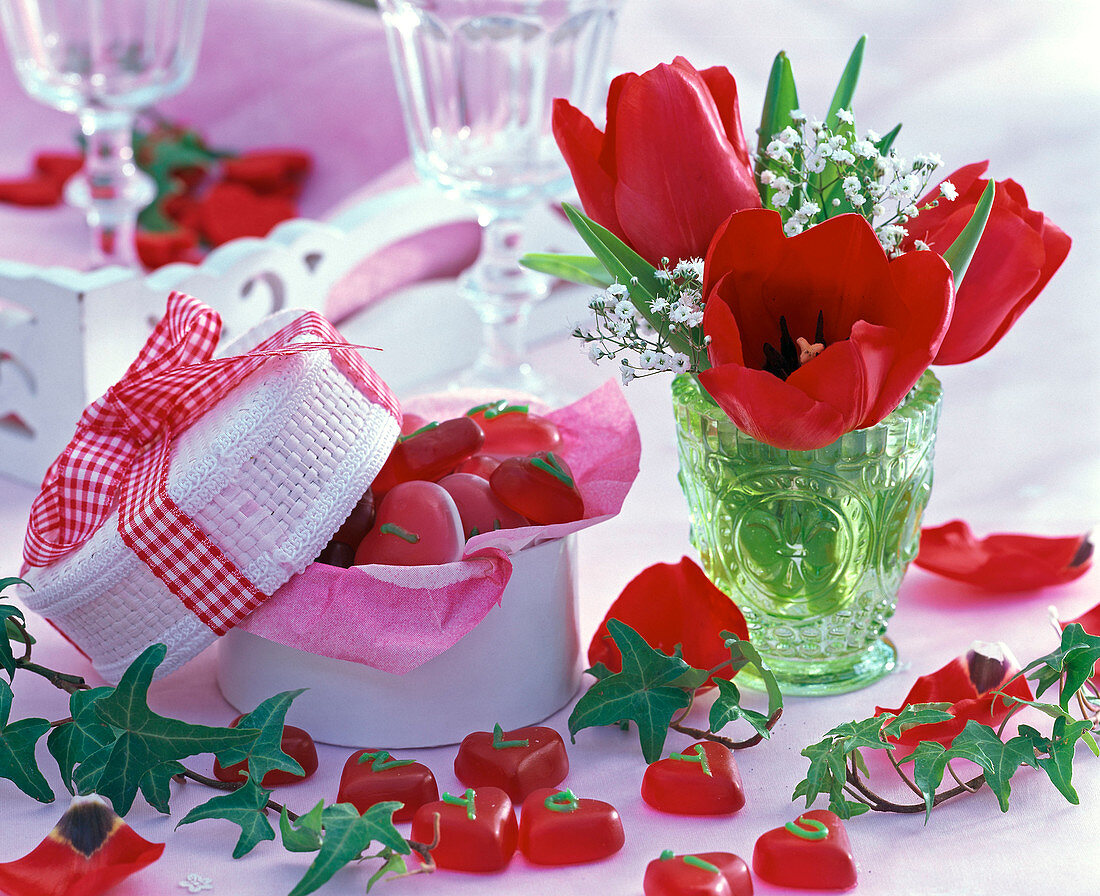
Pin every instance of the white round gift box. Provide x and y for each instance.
(518, 666)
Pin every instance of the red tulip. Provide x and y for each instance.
(1003, 562)
(970, 684)
(1018, 253)
(818, 334)
(89, 851)
(673, 164)
(669, 604)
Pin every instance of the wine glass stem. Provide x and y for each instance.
(502, 294)
(110, 188)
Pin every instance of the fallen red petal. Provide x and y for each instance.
(58, 166)
(1003, 562)
(34, 191)
(672, 604)
(89, 851)
(232, 210)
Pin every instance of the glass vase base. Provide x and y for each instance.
(804, 678)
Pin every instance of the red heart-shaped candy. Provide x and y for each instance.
(557, 828)
(511, 430)
(703, 874)
(477, 831)
(540, 488)
(518, 762)
(702, 780)
(811, 852)
(373, 776)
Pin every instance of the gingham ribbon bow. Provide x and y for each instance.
(123, 443)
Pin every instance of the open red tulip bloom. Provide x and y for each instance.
(969, 683)
(1003, 562)
(670, 604)
(89, 851)
(673, 164)
(866, 327)
(1019, 252)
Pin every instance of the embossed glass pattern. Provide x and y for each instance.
(812, 545)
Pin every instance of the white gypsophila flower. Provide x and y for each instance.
(595, 352)
(873, 135)
(625, 371)
(809, 209)
(679, 313)
(865, 149)
(949, 191)
(624, 310)
(851, 184)
(694, 318)
(768, 177)
(697, 265)
(777, 152)
(617, 290)
(845, 115)
(793, 226)
(843, 157)
(797, 115)
(816, 162)
(856, 199)
(647, 359)
(662, 274)
(620, 326)
(927, 160)
(789, 136)
(681, 363)
(658, 305)
(921, 246)
(910, 211)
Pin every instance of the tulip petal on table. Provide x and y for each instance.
(670, 604)
(89, 851)
(1004, 561)
(955, 683)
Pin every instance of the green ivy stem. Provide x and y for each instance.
(707, 734)
(229, 786)
(962, 783)
(901, 774)
(68, 683)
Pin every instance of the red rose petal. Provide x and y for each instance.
(231, 210)
(1003, 562)
(669, 604)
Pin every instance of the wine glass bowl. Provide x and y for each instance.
(105, 60)
(476, 80)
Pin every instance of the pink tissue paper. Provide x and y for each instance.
(396, 618)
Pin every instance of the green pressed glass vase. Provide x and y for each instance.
(811, 545)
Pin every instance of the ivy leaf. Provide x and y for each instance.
(347, 835)
(917, 714)
(827, 771)
(1075, 658)
(7, 655)
(393, 864)
(929, 763)
(727, 708)
(865, 733)
(72, 743)
(147, 740)
(265, 753)
(154, 785)
(651, 688)
(1054, 755)
(245, 808)
(742, 654)
(303, 835)
(997, 759)
(17, 743)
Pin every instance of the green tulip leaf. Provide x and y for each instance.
(781, 97)
(245, 808)
(627, 267)
(581, 269)
(651, 688)
(846, 89)
(960, 253)
(346, 836)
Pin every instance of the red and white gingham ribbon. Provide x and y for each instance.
(121, 450)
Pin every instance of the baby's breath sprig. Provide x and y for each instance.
(814, 172)
(617, 331)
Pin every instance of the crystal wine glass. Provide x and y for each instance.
(105, 60)
(476, 80)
